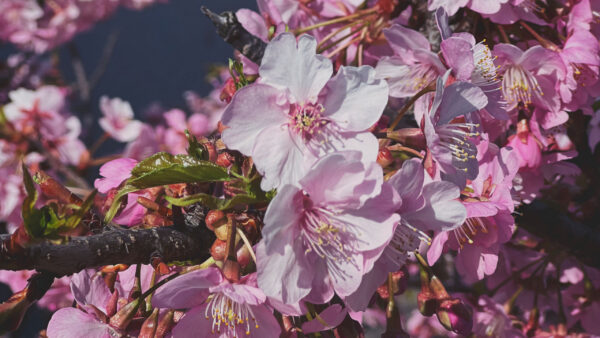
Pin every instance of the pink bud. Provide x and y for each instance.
(455, 316)
(122, 318)
(13, 310)
(148, 329)
(111, 307)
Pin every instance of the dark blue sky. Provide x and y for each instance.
(161, 51)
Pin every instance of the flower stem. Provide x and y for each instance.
(411, 101)
(334, 21)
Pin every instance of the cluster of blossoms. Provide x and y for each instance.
(42, 25)
(355, 159)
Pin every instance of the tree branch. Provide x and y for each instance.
(544, 221)
(119, 246)
(232, 31)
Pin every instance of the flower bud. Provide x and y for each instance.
(111, 306)
(218, 250)
(243, 256)
(122, 318)
(228, 90)
(455, 316)
(231, 270)
(384, 157)
(215, 218)
(165, 323)
(399, 278)
(225, 159)
(13, 310)
(149, 326)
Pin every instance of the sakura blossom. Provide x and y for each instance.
(415, 168)
(308, 113)
(331, 212)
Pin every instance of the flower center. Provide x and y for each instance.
(324, 236)
(406, 239)
(231, 314)
(485, 72)
(306, 119)
(465, 233)
(519, 85)
(455, 137)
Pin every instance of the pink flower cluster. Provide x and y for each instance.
(41, 26)
(375, 153)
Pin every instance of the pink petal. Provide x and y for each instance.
(188, 290)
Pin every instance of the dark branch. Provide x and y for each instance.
(580, 240)
(119, 246)
(230, 29)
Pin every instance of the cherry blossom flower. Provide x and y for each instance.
(315, 237)
(114, 173)
(118, 120)
(288, 120)
(450, 143)
(174, 137)
(217, 307)
(413, 65)
(425, 206)
(489, 222)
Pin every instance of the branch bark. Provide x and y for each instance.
(232, 31)
(544, 221)
(118, 246)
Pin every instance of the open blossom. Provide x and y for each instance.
(531, 77)
(36, 111)
(489, 223)
(217, 307)
(413, 65)
(424, 207)
(451, 143)
(174, 137)
(118, 120)
(94, 304)
(297, 113)
(114, 173)
(472, 62)
(325, 234)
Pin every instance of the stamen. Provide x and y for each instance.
(519, 85)
(227, 312)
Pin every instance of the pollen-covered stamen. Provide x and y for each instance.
(466, 232)
(229, 313)
(485, 71)
(324, 236)
(519, 85)
(455, 137)
(306, 119)
(405, 240)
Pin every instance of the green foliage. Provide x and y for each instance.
(195, 149)
(46, 222)
(236, 69)
(163, 169)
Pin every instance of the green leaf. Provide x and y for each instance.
(31, 216)
(74, 220)
(212, 202)
(195, 149)
(209, 201)
(162, 169)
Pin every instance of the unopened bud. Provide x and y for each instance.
(384, 157)
(427, 303)
(225, 159)
(243, 256)
(111, 306)
(165, 323)
(122, 318)
(228, 90)
(231, 270)
(399, 281)
(455, 316)
(410, 137)
(148, 329)
(215, 218)
(219, 250)
(13, 310)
